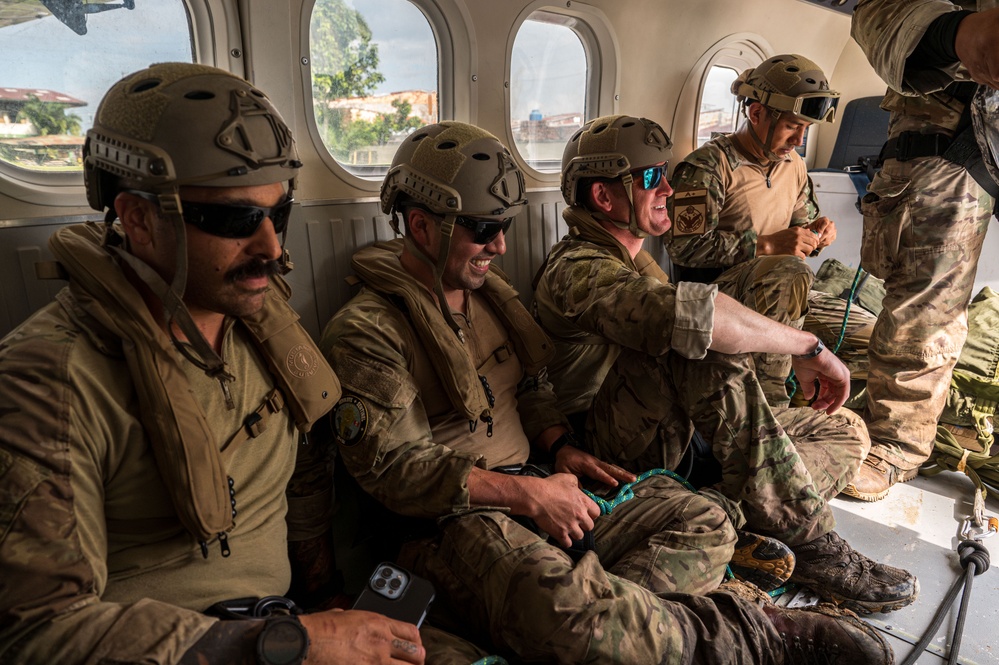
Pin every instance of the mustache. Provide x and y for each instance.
(253, 268)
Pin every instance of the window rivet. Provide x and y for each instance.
(236, 53)
(475, 77)
(305, 61)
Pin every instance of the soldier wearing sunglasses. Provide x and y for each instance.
(745, 217)
(152, 416)
(445, 394)
(640, 363)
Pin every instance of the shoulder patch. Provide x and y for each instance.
(349, 420)
(689, 212)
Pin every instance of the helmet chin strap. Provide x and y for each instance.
(765, 145)
(447, 230)
(632, 225)
(171, 295)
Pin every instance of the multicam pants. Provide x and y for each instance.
(780, 465)
(502, 585)
(924, 225)
(776, 287)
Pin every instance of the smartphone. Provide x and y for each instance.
(397, 594)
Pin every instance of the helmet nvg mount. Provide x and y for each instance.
(787, 83)
(451, 169)
(612, 147)
(176, 124)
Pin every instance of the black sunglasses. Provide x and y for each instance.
(230, 220)
(651, 176)
(235, 221)
(484, 230)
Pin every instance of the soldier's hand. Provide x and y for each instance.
(581, 464)
(354, 636)
(826, 230)
(833, 378)
(560, 508)
(978, 48)
(796, 241)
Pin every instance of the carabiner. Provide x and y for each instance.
(970, 531)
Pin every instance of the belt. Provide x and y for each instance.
(910, 145)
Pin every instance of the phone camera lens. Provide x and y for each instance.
(385, 572)
(395, 584)
(380, 583)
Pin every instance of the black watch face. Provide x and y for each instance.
(283, 643)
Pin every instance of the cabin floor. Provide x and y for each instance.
(916, 527)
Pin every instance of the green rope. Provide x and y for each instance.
(626, 493)
(791, 381)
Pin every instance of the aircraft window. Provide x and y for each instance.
(548, 86)
(61, 56)
(719, 111)
(374, 79)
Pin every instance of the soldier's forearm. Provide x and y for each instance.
(229, 642)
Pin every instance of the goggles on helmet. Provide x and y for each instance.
(651, 176)
(811, 106)
(230, 220)
(819, 106)
(484, 231)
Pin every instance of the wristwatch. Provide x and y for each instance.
(819, 348)
(283, 641)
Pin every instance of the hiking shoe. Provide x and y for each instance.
(760, 560)
(837, 572)
(827, 635)
(875, 478)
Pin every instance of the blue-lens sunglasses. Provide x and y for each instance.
(650, 176)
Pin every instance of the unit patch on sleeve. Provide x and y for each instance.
(688, 212)
(349, 419)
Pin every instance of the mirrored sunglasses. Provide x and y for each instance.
(649, 178)
(484, 231)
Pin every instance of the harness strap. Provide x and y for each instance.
(255, 423)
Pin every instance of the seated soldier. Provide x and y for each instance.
(641, 362)
(745, 218)
(150, 420)
(444, 395)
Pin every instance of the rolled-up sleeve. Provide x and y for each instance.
(694, 319)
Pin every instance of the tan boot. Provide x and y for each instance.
(875, 478)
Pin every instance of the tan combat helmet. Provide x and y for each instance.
(613, 146)
(455, 170)
(786, 83)
(176, 124)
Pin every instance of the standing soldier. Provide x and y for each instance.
(925, 217)
(640, 362)
(745, 218)
(445, 393)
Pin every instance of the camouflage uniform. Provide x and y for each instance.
(924, 224)
(632, 349)
(725, 199)
(96, 564)
(410, 447)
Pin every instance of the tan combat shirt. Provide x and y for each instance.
(398, 433)
(594, 300)
(724, 200)
(95, 564)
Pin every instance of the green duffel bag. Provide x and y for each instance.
(835, 278)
